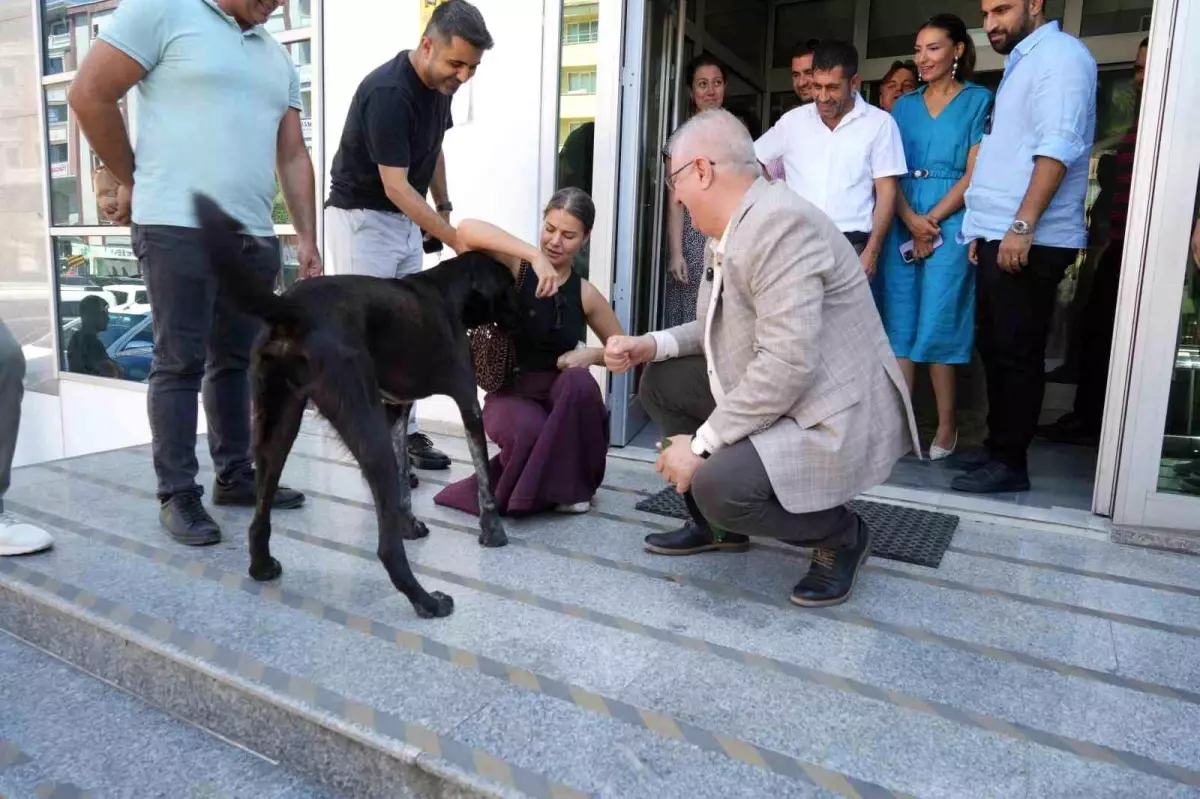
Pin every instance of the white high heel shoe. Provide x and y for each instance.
(937, 453)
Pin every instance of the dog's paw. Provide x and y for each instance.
(271, 570)
(492, 534)
(416, 532)
(443, 605)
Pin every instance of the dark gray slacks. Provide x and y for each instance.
(732, 490)
(12, 390)
(201, 344)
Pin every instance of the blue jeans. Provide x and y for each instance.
(201, 344)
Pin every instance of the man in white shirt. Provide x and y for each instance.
(841, 153)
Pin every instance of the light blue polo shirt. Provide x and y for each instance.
(209, 110)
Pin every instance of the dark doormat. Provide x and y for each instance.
(908, 535)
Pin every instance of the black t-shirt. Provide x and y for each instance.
(86, 354)
(395, 120)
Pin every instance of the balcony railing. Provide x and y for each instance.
(58, 41)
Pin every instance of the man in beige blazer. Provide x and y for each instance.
(783, 400)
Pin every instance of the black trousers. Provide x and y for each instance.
(732, 490)
(201, 344)
(1014, 311)
(1096, 328)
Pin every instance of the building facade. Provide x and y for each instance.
(585, 93)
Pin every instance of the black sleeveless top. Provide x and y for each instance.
(551, 325)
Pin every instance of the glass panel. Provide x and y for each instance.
(293, 14)
(1103, 17)
(1180, 464)
(301, 53)
(72, 164)
(740, 26)
(892, 27)
(25, 306)
(290, 271)
(99, 274)
(69, 28)
(577, 101)
(824, 19)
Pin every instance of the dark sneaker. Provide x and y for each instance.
(995, 478)
(692, 540)
(968, 460)
(424, 456)
(833, 573)
(244, 494)
(184, 518)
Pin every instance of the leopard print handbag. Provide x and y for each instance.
(494, 350)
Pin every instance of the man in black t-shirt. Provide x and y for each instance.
(390, 157)
(86, 354)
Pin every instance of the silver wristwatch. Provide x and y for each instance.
(1021, 228)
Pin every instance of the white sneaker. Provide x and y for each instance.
(18, 538)
(578, 507)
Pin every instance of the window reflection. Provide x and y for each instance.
(1104, 17)
(72, 164)
(1180, 465)
(290, 16)
(70, 28)
(301, 53)
(577, 101)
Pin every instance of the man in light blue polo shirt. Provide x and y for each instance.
(1025, 219)
(219, 103)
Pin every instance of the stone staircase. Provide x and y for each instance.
(1027, 665)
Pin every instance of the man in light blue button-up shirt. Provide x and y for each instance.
(1025, 219)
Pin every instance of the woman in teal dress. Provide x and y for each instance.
(928, 304)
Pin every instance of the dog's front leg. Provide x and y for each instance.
(491, 529)
(398, 416)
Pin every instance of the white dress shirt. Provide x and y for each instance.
(836, 170)
(706, 439)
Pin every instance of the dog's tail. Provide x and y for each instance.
(224, 241)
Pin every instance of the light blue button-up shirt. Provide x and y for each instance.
(1046, 106)
(209, 110)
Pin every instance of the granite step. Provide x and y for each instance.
(576, 663)
(68, 734)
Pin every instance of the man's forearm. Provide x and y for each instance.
(104, 127)
(439, 188)
(415, 208)
(299, 186)
(881, 220)
(1047, 177)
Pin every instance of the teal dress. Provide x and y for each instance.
(928, 309)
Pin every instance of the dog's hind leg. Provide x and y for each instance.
(348, 398)
(278, 412)
(491, 529)
(398, 421)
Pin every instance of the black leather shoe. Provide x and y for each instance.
(995, 478)
(968, 460)
(422, 454)
(692, 540)
(184, 518)
(833, 573)
(243, 494)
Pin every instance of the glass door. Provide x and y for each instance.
(649, 78)
(1158, 481)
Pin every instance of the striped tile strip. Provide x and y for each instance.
(11, 755)
(225, 659)
(533, 682)
(605, 705)
(838, 614)
(948, 584)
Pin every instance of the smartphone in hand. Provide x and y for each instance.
(906, 249)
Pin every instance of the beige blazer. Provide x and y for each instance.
(800, 354)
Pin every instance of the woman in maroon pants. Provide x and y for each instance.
(550, 421)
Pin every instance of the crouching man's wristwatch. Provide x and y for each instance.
(1021, 228)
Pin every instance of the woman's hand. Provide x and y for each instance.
(581, 358)
(679, 269)
(547, 276)
(923, 227)
(922, 249)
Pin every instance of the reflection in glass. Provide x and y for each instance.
(69, 29)
(301, 53)
(1104, 17)
(289, 271)
(72, 164)
(291, 16)
(577, 101)
(1180, 465)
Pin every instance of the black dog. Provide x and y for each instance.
(363, 349)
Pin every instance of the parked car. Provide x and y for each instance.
(129, 340)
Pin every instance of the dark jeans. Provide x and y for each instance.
(1099, 318)
(12, 389)
(200, 344)
(731, 490)
(858, 240)
(1014, 311)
